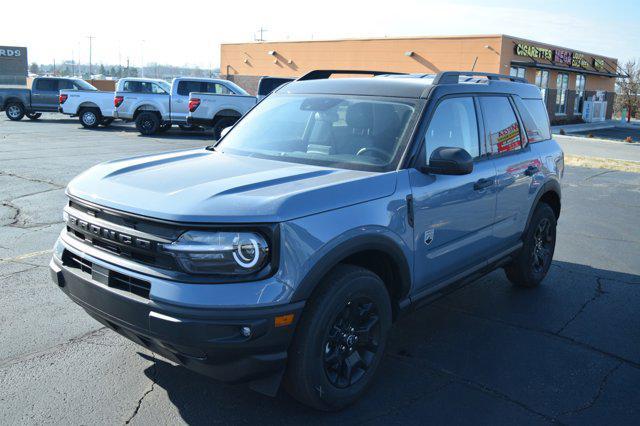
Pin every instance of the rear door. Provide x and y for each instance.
(453, 215)
(515, 164)
(180, 98)
(44, 96)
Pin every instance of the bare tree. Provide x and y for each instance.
(629, 89)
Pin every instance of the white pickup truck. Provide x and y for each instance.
(94, 107)
(158, 107)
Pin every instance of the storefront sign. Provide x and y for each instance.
(579, 61)
(598, 63)
(562, 57)
(533, 51)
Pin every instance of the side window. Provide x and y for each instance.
(218, 89)
(157, 89)
(185, 87)
(47, 85)
(453, 124)
(535, 119)
(132, 86)
(65, 84)
(501, 124)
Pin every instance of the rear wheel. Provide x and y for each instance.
(34, 115)
(531, 265)
(222, 124)
(89, 117)
(14, 111)
(147, 122)
(340, 340)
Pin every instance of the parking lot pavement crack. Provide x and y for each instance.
(592, 275)
(484, 389)
(32, 179)
(20, 272)
(599, 392)
(154, 374)
(597, 293)
(599, 174)
(33, 355)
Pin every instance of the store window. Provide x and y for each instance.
(562, 85)
(517, 72)
(542, 81)
(579, 100)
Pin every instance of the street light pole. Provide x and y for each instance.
(90, 52)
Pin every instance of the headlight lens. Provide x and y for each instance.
(220, 253)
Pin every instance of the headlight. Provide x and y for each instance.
(220, 253)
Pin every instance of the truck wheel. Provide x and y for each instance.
(106, 122)
(34, 115)
(89, 118)
(147, 122)
(531, 265)
(222, 124)
(14, 111)
(340, 340)
(165, 127)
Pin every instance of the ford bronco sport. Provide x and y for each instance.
(285, 251)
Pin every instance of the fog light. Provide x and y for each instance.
(246, 331)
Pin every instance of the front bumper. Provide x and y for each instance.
(208, 341)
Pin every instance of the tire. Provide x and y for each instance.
(14, 111)
(165, 127)
(349, 298)
(532, 263)
(90, 118)
(148, 123)
(33, 115)
(106, 122)
(222, 124)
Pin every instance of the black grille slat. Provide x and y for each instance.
(113, 279)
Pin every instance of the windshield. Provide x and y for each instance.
(83, 85)
(358, 132)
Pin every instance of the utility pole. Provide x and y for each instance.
(261, 31)
(90, 52)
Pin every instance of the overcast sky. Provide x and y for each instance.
(190, 32)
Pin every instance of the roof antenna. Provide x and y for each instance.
(473, 67)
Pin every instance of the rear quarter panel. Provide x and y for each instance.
(148, 101)
(211, 104)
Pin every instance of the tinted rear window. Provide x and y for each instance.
(47, 85)
(535, 117)
(185, 87)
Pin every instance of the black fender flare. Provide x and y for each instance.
(552, 185)
(352, 246)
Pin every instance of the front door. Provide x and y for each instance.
(453, 214)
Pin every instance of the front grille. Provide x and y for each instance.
(111, 278)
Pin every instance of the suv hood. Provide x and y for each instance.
(207, 186)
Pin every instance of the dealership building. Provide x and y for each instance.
(575, 84)
(13, 65)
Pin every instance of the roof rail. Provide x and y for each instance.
(322, 74)
(453, 77)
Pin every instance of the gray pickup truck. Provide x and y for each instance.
(42, 97)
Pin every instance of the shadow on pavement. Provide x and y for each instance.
(487, 353)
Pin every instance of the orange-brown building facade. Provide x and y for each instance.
(567, 77)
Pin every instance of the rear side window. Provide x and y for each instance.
(453, 125)
(65, 84)
(501, 124)
(142, 87)
(535, 118)
(185, 87)
(47, 85)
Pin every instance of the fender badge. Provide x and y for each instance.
(428, 236)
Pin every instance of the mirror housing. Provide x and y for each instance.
(449, 161)
(224, 131)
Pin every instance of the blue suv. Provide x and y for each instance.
(284, 252)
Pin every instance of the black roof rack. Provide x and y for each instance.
(453, 77)
(322, 74)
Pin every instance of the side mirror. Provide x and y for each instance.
(224, 131)
(449, 161)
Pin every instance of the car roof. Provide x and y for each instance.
(416, 86)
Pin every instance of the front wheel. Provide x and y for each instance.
(147, 122)
(222, 124)
(89, 118)
(14, 111)
(340, 339)
(532, 263)
(34, 115)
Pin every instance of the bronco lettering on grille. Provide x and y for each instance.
(109, 234)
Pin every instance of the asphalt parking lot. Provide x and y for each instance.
(567, 352)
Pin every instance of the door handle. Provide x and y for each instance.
(482, 184)
(531, 170)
